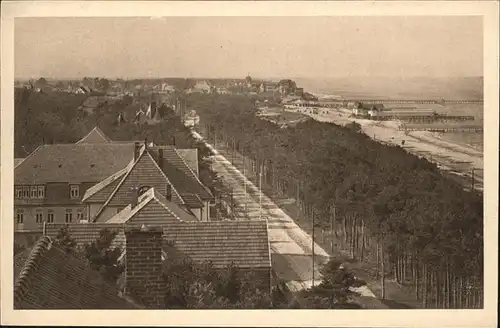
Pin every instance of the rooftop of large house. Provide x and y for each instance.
(48, 277)
(73, 163)
(245, 243)
(96, 158)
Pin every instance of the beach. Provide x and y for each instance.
(454, 157)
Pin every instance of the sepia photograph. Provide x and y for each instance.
(235, 162)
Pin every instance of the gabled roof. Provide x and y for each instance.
(95, 136)
(101, 191)
(53, 279)
(147, 173)
(179, 173)
(244, 243)
(155, 214)
(73, 163)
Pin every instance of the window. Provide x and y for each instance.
(41, 192)
(74, 191)
(39, 216)
(80, 215)
(26, 192)
(19, 192)
(50, 216)
(69, 216)
(20, 216)
(34, 192)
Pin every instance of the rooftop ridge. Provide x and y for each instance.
(31, 266)
(30, 155)
(104, 183)
(160, 201)
(184, 162)
(98, 131)
(164, 175)
(132, 165)
(129, 169)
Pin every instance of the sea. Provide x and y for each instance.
(411, 88)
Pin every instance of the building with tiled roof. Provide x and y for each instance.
(152, 208)
(96, 178)
(95, 136)
(47, 277)
(243, 243)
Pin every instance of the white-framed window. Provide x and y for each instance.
(41, 192)
(69, 216)
(26, 192)
(20, 216)
(80, 215)
(19, 192)
(50, 216)
(39, 216)
(74, 191)
(33, 192)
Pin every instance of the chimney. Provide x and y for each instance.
(135, 199)
(160, 158)
(169, 192)
(137, 149)
(173, 141)
(146, 142)
(144, 267)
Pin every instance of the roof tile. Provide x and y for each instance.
(73, 163)
(54, 279)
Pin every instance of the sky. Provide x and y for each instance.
(267, 47)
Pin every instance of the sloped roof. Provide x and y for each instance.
(18, 161)
(190, 157)
(53, 279)
(244, 243)
(73, 163)
(179, 173)
(95, 136)
(87, 233)
(192, 200)
(101, 191)
(167, 208)
(144, 173)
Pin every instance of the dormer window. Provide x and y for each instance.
(74, 191)
(142, 190)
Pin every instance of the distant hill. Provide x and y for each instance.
(453, 88)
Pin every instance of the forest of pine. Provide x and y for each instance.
(423, 229)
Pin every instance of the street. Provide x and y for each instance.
(291, 247)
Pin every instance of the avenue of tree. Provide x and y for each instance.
(423, 229)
